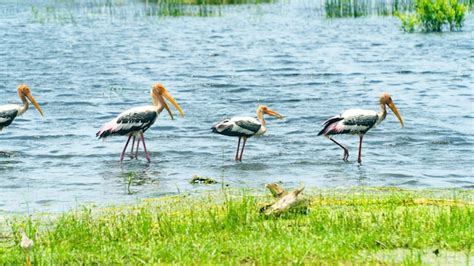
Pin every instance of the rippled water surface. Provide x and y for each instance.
(86, 68)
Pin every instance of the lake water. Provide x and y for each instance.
(84, 67)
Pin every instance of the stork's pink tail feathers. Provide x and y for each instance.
(107, 129)
(330, 125)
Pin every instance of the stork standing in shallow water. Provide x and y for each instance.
(134, 122)
(245, 127)
(358, 122)
(9, 112)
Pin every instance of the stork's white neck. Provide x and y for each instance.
(158, 102)
(25, 106)
(262, 121)
(382, 113)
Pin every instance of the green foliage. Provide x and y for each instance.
(361, 8)
(342, 227)
(408, 22)
(434, 16)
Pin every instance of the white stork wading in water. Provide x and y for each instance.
(245, 127)
(134, 122)
(9, 112)
(358, 122)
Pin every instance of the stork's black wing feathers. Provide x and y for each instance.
(133, 122)
(7, 117)
(248, 125)
(361, 120)
(142, 117)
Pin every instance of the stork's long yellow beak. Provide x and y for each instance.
(172, 101)
(395, 111)
(168, 110)
(273, 113)
(35, 103)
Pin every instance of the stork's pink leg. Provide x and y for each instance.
(125, 148)
(133, 145)
(138, 145)
(144, 147)
(346, 151)
(237, 153)
(359, 159)
(243, 147)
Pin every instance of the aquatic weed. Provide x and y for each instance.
(434, 16)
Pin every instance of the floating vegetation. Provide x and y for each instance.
(434, 16)
(202, 180)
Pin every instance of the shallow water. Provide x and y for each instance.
(86, 70)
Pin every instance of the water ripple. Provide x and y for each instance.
(307, 68)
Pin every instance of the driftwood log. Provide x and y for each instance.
(285, 201)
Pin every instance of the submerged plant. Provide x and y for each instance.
(434, 16)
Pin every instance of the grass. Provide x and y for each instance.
(344, 226)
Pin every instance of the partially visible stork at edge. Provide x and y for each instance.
(358, 122)
(9, 112)
(245, 127)
(134, 122)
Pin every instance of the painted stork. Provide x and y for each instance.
(134, 122)
(358, 122)
(9, 112)
(245, 127)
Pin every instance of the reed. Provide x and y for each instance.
(361, 8)
(68, 11)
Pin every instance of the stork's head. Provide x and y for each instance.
(262, 109)
(386, 99)
(158, 92)
(24, 92)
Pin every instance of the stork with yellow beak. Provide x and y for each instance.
(134, 122)
(9, 112)
(245, 127)
(358, 122)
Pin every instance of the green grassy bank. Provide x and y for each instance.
(347, 226)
